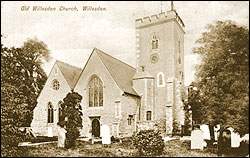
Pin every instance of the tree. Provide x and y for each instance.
(11, 102)
(21, 67)
(195, 100)
(22, 78)
(187, 122)
(223, 75)
(71, 118)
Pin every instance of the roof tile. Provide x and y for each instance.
(121, 72)
(71, 73)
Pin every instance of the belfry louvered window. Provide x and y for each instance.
(155, 42)
(95, 92)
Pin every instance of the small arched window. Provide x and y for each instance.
(149, 115)
(155, 43)
(130, 118)
(50, 113)
(55, 84)
(95, 92)
(60, 110)
(160, 79)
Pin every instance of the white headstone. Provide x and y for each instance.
(50, 132)
(216, 133)
(206, 132)
(235, 139)
(105, 133)
(61, 137)
(197, 141)
(245, 138)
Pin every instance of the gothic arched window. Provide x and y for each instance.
(50, 113)
(55, 84)
(59, 110)
(149, 115)
(155, 43)
(95, 92)
(160, 79)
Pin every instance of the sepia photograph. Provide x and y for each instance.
(124, 78)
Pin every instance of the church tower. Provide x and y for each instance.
(159, 77)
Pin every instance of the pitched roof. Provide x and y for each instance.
(71, 73)
(121, 72)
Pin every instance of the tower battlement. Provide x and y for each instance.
(161, 17)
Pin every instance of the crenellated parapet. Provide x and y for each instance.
(159, 18)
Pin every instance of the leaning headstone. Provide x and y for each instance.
(235, 138)
(61, 137)
(206, 132)
(197, 139)
(105, 133)
(50, 132)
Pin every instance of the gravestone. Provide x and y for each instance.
(216, 132)
(50, 132)
(197, 141)
(224, 141)
(235, 138)
(206, 132)
(105, 133)
(61, 137)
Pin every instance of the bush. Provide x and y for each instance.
(11, 136)
(71, 118)
(148, 142)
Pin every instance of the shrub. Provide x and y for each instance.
(148, 142)
(11, 109)
(71, 118)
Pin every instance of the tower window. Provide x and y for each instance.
(55, 84)
(50, 113)
(179, 59)
(149, 115)
(142, 68)
(181, 75)
(95, 92)
(155, 43)
(160, 79)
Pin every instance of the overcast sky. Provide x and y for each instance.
(71, 35)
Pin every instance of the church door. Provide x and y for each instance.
(96, 128)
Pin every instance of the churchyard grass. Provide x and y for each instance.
(173, 148)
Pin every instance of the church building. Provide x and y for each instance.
(125, 98)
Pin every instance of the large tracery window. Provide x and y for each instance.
(50, 113)
(95, 92)
(55, 84)
(155, 42)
